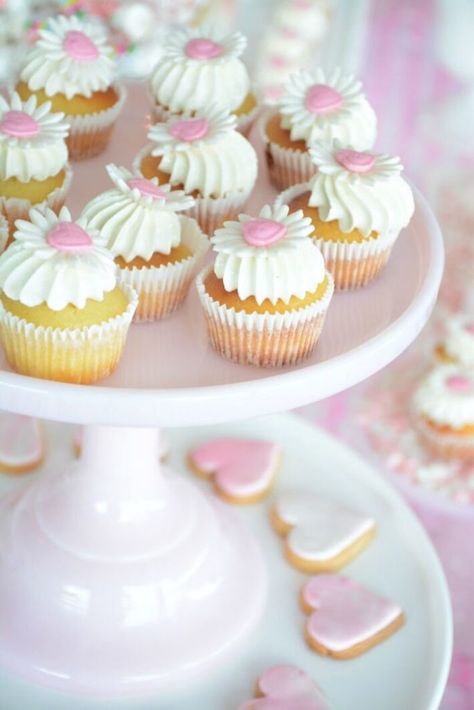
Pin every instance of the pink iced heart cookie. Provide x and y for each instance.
(286, 688)
(21, 443)
(346, 619)
(320, 536)
(242, 470)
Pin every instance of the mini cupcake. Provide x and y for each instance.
(201, 68)
(156, 249)
(34, 166)
(266, 297)
(63, 316)
(458, 346)
(207, 158)
(315, 109)
(71, 66)
(443, 408)
(358, 203)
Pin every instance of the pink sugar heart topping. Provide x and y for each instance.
(80, 47)
(355, 161)
(19, 124)
(470, 328)
(261, 232)
(284, 687)
(69, 237)
(147, 188)
(322, 99)
(203, 49)
(189, 129)
(459, 383)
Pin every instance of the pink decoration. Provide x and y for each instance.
(80, 47)
(147, 188)
(69, 237)
(322, 99)
(261, 232)
(285, 688)
(19, 124)
(459, 383)
(189, 129)
(203, 49)
(355, 161)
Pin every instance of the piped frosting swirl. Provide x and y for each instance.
(459, 342)
(446, 396)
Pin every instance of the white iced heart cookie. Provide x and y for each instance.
(321, 536)
(286, 688)
(21, 443)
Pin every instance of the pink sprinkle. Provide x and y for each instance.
(147, 188)
(19, 124)
(191, 129)
(355, 161)
(69, 237)
(80, 47)
(203, 49)
(263, 232)
(322, 99)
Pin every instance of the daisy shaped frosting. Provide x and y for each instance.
(23, 123)
(179, 134)
(149, 192)
(354, 165)
(204, 44)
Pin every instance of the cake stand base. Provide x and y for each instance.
(116, 579)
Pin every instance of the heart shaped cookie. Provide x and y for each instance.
(242, 470)
(286, 688)
(21, 443)
(321, 536)
(346, 619)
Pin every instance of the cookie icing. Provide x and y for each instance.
(21, 442)
(320, 108)
(70, 57)
(201, 68)
(291, 265)
(56, 261)
(204, 152)
(441, 398)
(32, 140)
(459, 342)
(346, 613)
(286, 688)
(360, 190)
(138, 217)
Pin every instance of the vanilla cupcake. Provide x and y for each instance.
(63, 315)
(315, 109)
(443, 407)
(34, 168)
(71, 65)
(207, 158)
(458, 345)
(200, 68)
(156, 249)
(266, 296)
(358, 203)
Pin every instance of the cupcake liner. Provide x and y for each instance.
(286, 167)
(90, 134)
(352, 264)
(79, 355)
(16, 208)
(3, 233)
(445, 446)
(263, 339)
(161, 290)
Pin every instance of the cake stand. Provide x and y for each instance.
(117, 577)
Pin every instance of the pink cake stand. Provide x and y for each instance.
(117, 554)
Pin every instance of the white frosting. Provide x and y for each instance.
(439, 403)
(33, 272)
(459, 343)
(292, 266)
(49, 67)
(221, 163)
(37, 157)
(354, 122)
(135, 224)
(181, 83)
(378, 201)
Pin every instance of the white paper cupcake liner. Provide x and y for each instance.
(263, 339)
(161, 290)
(444, 445)
(79, 355)
(3, 233)
(286, 167)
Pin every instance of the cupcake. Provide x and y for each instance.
(458, 345)
(156, 249)
(63, 315)
(71, 66)
(266, 296)
(34, 168)
(358, 203)
(443, 407)
(200, 68)
(315, 109)
(207, 158)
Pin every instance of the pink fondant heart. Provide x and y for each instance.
(189, 129)
(21, 442)
(322, 99)
(355, 161)
(242, 468)
(80, 47)
(147, 188)
(286, 688)
(346, 614)
(19, 124)
(203, 49)
(459, 383)
(69, 237)
(262, 232)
